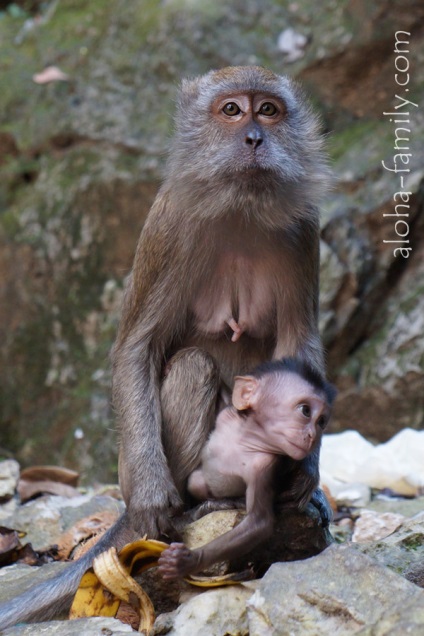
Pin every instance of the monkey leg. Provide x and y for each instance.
(189, 396)
(197, 486)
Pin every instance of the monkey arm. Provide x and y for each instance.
(146, 482)
(297, 320)
(301, 487)
(301, 481)
(178, 560)
(151, 311)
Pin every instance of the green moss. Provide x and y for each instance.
(414, 541)
(342, 142)
(68, 39)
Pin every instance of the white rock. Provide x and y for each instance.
(343, 453)
(398, 464)
(354, 494)
(9, 475)
(292, 43)
(373, 526)
(213, 613)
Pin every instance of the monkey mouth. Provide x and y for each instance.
(253, 167)
(301, 451)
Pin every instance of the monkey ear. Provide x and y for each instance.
(244, 392)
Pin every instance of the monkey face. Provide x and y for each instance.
(248, 121)
(288, 414)
(244, 123)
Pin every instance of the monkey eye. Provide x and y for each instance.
(306, 410)
(322, 422)
(267, 109)
(231, 109)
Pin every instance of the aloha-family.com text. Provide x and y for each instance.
(399, 164)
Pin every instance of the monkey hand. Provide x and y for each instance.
(154, 518)
(177, 561)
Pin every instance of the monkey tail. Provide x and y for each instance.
(48, 599)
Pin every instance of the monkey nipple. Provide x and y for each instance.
(236, 329)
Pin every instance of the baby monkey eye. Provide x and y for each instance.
(322, 421)
(306, 410)
(231, 109)
(267, 109)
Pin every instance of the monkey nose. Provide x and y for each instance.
(254, 138)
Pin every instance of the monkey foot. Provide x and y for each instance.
(236, 328)
(176, 562)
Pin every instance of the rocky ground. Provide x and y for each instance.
(364, 577)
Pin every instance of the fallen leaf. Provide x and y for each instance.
(52, 480)
(29, 556)
(51, 473)
(50, 74)
(11, 550)
(9, 541)
(85, 533)
(330, 498)
(30, 489)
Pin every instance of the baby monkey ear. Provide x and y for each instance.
(245, 392)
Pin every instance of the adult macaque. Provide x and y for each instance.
(225, 277)
(276, 420)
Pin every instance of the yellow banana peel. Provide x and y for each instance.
(110, 581)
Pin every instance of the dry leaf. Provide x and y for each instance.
(29, 489)
(87, 532)
(52, 480)
(9, 541)
(50, 473)
(50, 74)
(330, 498)
(12, 551)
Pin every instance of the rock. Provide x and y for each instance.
(212, 613)
(380, 384)
(209, 528)
(99, 626)
(8, 147)
(56, 515)
(403, 550)
(339, 592)
(342, 453)
(292, 44)
(405, 507)
(297, 535)
(397, 464)
(332, 275)
(9, 476)
(8, 509)
(355, 494)
(372, 526)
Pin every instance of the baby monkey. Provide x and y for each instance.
(276, 419)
